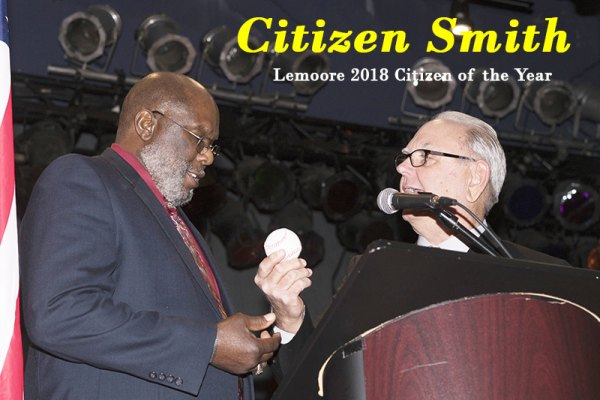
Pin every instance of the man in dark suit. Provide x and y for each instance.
(458, 156)
(121, 295)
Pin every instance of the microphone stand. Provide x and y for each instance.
(451, 221)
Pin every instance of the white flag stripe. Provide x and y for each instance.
(9, 282)
(4, 76)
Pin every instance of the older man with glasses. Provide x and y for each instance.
(457, 156)
(122, 297)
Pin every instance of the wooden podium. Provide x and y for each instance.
(422, 323)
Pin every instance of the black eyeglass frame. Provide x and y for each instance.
(201, 147)
(399, 159)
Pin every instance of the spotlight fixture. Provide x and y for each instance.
(363, 228)
(313, 248)
(165, 49)
(310, 182)
(576, 205)
(306, 64)
(460, 11)
(240, 235)
(342, 195)
(553, 102)
(589, 98)
(221, 50)
(84, 35)
(294, 216)
(525, 201)
(272, 186)
(43, 142)
(494, 98)
(431, 94)
(269, 185)
(593, 258)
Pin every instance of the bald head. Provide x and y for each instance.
(161, 91)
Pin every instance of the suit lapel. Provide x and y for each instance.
(162, 218)
(211, 261)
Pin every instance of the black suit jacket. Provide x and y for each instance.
(112, 299)
(524, 253)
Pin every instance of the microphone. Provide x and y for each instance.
(390, 201)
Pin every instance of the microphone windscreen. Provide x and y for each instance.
(384, 200)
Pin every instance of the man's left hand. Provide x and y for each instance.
(282, 281)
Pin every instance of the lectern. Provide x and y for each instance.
(423, 323)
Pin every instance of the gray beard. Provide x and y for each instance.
(168, 171)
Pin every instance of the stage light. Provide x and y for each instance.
(525, 201)
(589, 98)
(221, 50)
(460, 11)
(593, 258)
(553, 102)
(43, 142)
(242, 237)
(270, 185)
(431, 94)
(342, 196)
(576, 205)
(363, 228)
(587, 7)
(165, 49)
(294, 216)
(494, 98)
(313, 248)
(306, 63)
(311, 184)
(84, 35)
(339, 195)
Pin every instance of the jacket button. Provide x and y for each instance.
(152, 375)
(170, 378)
(179, 381)
(162, 377)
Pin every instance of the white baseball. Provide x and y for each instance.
(284, 239)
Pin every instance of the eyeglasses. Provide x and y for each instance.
(203, 144)
(419, 157)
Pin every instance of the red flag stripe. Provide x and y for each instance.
(11, 355)
(11, 377)
(7, 166)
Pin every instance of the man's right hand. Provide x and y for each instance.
(238, 350)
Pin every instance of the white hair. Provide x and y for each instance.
(483, 141)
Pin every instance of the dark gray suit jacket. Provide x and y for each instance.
(113, 301)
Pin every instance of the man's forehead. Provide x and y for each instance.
(438, 133)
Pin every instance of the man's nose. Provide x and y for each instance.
(206, 158)
(404, 167)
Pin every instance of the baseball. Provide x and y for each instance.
(284, 239)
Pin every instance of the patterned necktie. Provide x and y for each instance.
(205, 271)
(203, 266)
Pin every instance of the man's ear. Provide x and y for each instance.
(478, 180)
(144, 124)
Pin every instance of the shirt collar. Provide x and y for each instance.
(452, 243)
(141, 170)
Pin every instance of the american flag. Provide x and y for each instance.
(11, 354)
